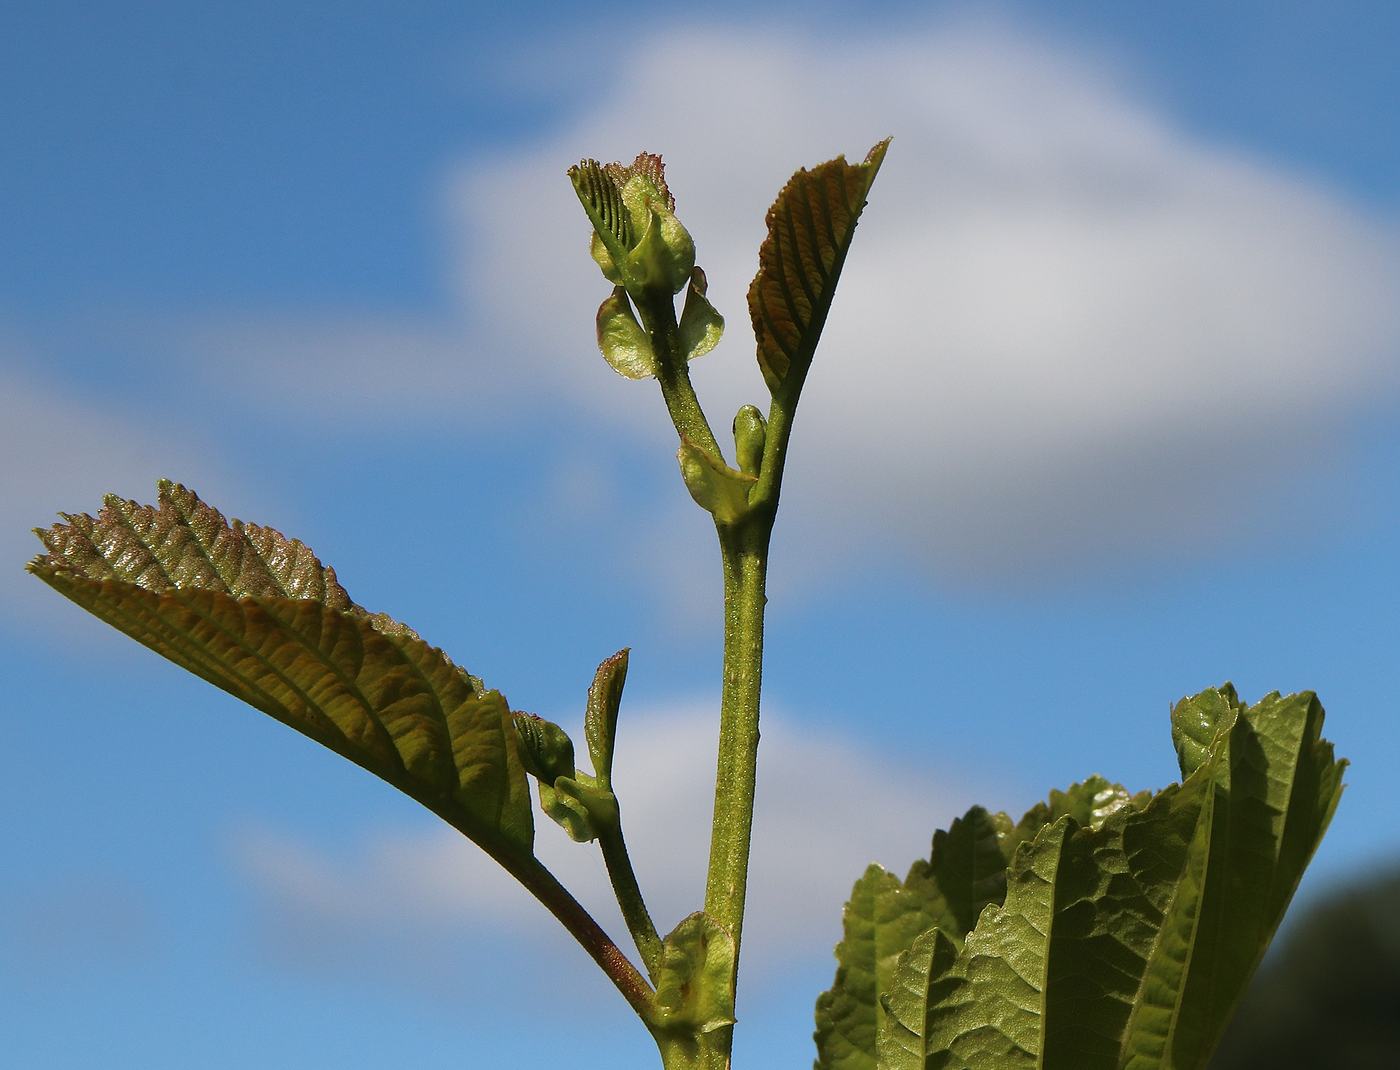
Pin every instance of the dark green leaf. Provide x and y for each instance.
(881, 920)
(965, 873)
(1125, 942)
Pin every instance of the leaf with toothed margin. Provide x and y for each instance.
(964, 873)
(256, 614)
(1124, 943)
(810, 227)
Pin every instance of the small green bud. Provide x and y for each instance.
(750, 431)
(664, 257)
(567, 811)
(580, 806)
(546, 750)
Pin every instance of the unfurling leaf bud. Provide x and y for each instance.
(580, 806)
(546, 750)
(600, 720)
(664, 257)
(561, 804)
(638, 242)
(750, 432)
(621, 339)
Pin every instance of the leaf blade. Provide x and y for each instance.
(810, 228)
(1143, 926)
(200, 591)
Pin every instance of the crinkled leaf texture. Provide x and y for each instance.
(256, 614)
(810, 227)
(1106, 931)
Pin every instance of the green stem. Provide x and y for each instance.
(745, 555)
(705, 1051)
(673, 373)
(629, 895)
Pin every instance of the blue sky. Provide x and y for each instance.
(1106, 414)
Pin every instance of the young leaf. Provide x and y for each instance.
(881, 920)
(701, 326)
(695, 978)
(917, 988)
(257, 615)
(716, 488)
(600, 720)
(965, 873)
(621, 339)
(810, 227)
(546, 750)
(638, 241)
(1278, 786)
(1127, 943)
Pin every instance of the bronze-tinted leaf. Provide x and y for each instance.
(810, 227)
(256, 614)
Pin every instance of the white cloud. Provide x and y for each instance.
(1069, 328)
(1072, 332)
(826, 808)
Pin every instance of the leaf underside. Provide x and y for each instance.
(965, 872)
(810, 227)
(1127, 928)
(256, 614)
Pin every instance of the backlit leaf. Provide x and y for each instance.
(1125, 942)
(965, 873)
(257, 615)
(810, 227)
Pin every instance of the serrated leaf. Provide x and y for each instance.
(1127, 942)
(916, 988)
(880, 921)
(810, 227)
(257, 615)
(964, 873)
(600, 193)
(1276, 792)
